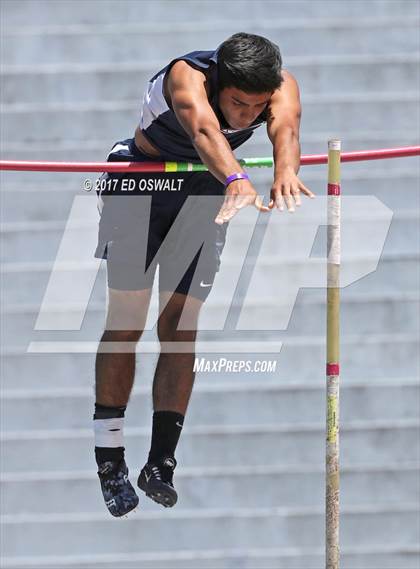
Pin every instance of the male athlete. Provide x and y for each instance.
(199, 108)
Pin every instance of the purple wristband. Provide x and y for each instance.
(237, 176)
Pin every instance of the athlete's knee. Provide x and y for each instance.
(168, 332)
(132, 336)
(127, 310)
(178, 321)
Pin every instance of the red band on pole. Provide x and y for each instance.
(333, 369)
(334, 189)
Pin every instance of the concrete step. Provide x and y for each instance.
(24, 284)
(386, 557)
(165, 39)
(44, 492)
(111, 118)
(361, 441)
(53, 202)
(61, 83)
(192, 529)
(272, 402)
(353, 557)
(61, 12)
(66, 365)
(367, 313)
(45, 236)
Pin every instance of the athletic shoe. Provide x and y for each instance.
(119, 495)
(156, 481)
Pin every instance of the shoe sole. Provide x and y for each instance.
(111, 504)
(124, 514)
(163, 494)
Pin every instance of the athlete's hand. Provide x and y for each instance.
(239, 194)
(286, 189)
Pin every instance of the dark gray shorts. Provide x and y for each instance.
(160, 219)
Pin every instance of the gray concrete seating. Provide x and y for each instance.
(251, 458)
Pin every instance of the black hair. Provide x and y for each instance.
(250, 63)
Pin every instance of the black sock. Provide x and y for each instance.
(167, 427)
(103, 454)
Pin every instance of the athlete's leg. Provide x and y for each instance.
(115, 367)
(174, 376)
(115, 360)
(122, 232)
(172, 386)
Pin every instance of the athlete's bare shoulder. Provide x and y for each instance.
(289, 80)
(182, 74)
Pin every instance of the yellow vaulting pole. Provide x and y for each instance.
(333, 367)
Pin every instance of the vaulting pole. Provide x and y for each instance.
(333, 355)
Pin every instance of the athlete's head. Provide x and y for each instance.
(249, 68)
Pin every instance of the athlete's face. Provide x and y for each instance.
(240, 109)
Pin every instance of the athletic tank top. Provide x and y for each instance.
(161, 127)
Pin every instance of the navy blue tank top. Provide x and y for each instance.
(161, 127)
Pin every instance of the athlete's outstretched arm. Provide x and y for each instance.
(284, 112)
(190, 103)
